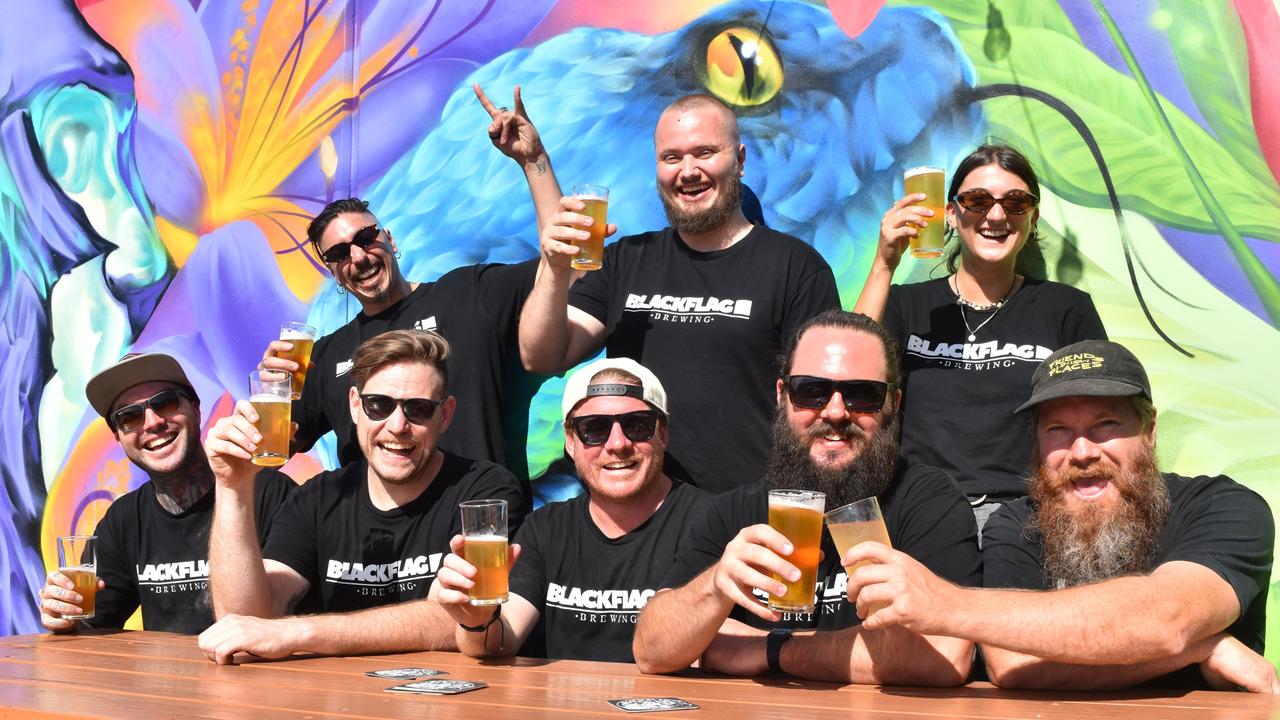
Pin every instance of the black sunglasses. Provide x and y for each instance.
(364, 238)
(164, 403)
(1014, 202)
(637, 426)
(813, 393)
(416, 410)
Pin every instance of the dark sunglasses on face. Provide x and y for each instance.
(1014, 202)
(637, 426)
(813, 393)
(364, 238)
(416, 410)
(164, 403)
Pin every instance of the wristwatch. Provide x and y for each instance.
(773, 647)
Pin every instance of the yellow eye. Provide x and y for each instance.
(743, 68)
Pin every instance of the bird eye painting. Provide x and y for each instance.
(160, 161)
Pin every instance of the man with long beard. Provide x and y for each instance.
(1145, 578)
(710, 291)
(835, 431)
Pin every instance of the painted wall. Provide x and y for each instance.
(159, 160)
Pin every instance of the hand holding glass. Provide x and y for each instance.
(932, 182)
(797, 514)
(302, 337)
(855, 523)
(78, 560)
(591, 251)
(269, 391)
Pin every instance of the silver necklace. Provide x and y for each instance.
(973, 331)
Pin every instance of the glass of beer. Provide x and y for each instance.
(484, 545)
(591, 251)
(78, 560)
(269, 391)
(931, 182)
(855, 523)
(302, 336)
(797, 514)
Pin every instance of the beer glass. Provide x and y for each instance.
(855, 523)
(78, 560)
(931, 182)
(269, 391)
(302, 336)
(797, 514)
(484, 545)
(591, 251)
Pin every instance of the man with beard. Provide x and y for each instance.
(587, 565)
(475, 307)
(1145, 578)
(153, 542)
(835, 431)
(711, 291)
(361, 544)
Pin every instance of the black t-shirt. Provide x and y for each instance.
(477, 309)
(589, 588)
(926, 515)
(711, 326)
(1213, 521)
(356, 556)
(150, 557)
(959, 397)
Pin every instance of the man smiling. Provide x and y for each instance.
(1145, 577)
(587, 566)
(361, 544)
(712, 291)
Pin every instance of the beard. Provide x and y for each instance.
(700, 221)
(867, 474)
(1090, 544)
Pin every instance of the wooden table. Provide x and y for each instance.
(153, 674)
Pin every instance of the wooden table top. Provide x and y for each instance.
(155, 674)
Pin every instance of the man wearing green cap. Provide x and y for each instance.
(1138, 577)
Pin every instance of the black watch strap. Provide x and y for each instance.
(497, 613)
(773, 647)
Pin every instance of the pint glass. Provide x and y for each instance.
(269, 391)
(591, 251)
(484, 545)
(797, 514)
(855, 523)
(78, 560)
(931, 182)
(302, 336)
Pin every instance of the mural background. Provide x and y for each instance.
(159, 160)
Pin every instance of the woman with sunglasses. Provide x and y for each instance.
(971, 340)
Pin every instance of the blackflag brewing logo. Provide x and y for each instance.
(672, 308)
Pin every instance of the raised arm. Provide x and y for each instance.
(555, 336)
(241, 582)
(515, 136)
(679, 624)
(897, 228)
(505, 632)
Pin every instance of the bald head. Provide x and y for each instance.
(703, 104)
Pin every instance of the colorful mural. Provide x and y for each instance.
(159, 160)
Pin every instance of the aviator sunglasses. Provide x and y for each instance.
(416, 410)
(164, 404)
(594, 430)
(364, 238)
(813, 393)
(1014, 202)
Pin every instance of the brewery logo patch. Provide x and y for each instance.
(1074, 362)
(671, 308)
(342, 368)
(174, 577)
(975, 355)
(421, 567)
(426, 324)
(599, 605)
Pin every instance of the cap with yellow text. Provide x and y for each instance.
(1089, 368)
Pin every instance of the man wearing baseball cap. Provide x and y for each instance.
(1144, 578)
(584, 568)
(153, 542)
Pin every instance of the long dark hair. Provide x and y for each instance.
(1030, 259)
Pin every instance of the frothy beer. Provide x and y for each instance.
(930, 181)
(591, 251)
(488, 553)
(273, 425)
(797, 514)
(302, 342)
